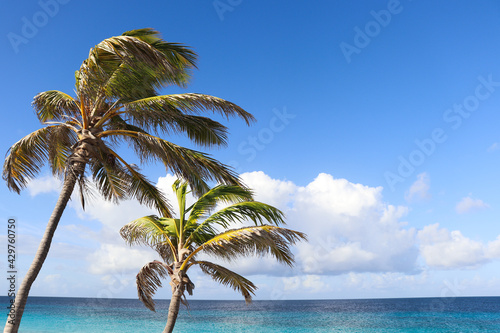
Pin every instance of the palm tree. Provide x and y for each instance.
(116, 102)
(198, 231)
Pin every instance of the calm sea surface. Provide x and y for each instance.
(467, 314)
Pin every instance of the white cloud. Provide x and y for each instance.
(271, 191)
(44, 184)
(468, 204)
(419, 190)
(450, 249)
(349, 227)
(110, 258)
(309, 283)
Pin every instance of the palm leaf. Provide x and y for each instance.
(257, 212)
(132, 67)
(26, 157)
(158, 115)
(191, 104)
(148, 280)
(258, 240)
(229, 278)
(62, 138)
(54, 105)
(150, 231)
(216, 195)
(193, 166)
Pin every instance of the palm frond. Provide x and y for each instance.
(216, 195)
(110, 180)
(255, 211)
(132, 66)
(178, 54)
(54, 105)
(62, 138)
(159, 114)
(193, 166)
(27, 156)
(191, 103)
(258, 240)
(150, 231)
(148, 280)
(229, 278)
(141, 189)
(116, 180)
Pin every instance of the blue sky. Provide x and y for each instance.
(377, 134)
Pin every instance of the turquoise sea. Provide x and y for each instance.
(464, 314)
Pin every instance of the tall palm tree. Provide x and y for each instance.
(116, 102)
(197, 231)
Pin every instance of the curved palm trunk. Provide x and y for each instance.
(12, 326)
(173, 310)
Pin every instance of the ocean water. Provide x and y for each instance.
(78, 315)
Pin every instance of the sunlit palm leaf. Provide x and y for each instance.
(62, 139)
(149, 231)
(259, 240)
(192, 104)
(257, 212)
(193, 166)
(54, 105)
(110, 180)
(216, 195)
(26, 157)
(131, 68)
(149, 280)
(158, 115)
(229, 278)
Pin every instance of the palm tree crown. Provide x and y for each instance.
(117, 102)
(199, 230)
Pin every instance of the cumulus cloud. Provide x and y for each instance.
(111, 258)
(349, 226)
(469, 204)
(351, 230)
(446, 249)
(44, 184)
(113, 255)
(419, 190)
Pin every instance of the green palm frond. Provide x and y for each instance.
(27, 156)
(133, 66)
(159, 115)
(149, 280)
(110, 180)
(62, 138)
(193, 166)
(218, 194)
(55, 105)
(177, 53)
(150, 231)
(229, 278)
(255, 211)
(191, 103)
(260, 240)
